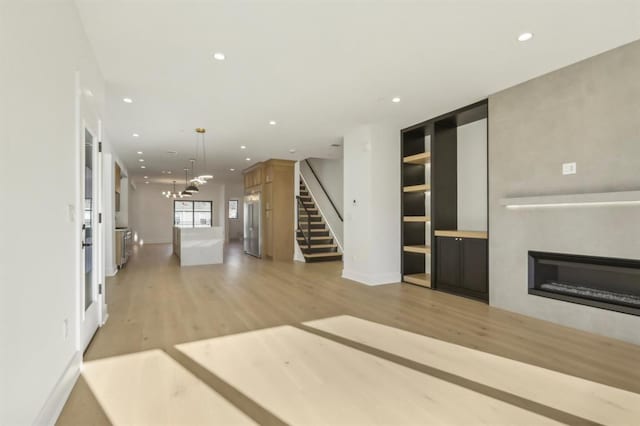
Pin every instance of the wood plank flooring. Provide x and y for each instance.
(155, 305)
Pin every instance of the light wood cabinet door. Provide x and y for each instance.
(267, 196)
(268, 234)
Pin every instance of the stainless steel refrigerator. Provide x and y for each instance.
(252, 219)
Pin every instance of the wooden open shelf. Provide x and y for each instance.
(421, 158)
(461, 234)
(418, 249)
(423, 280)
(417, 188)
(417, 219)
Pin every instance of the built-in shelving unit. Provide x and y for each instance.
(420, 158)
(424, 249)
(418, 279)
(417, 188)
(439, 174)
(416, 206)
(422, 219)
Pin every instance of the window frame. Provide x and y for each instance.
(237, 216)
(193, 213)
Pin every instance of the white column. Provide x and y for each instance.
(372, 204)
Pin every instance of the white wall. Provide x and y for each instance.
(472, 176)
(151, 214)
(235, 191)
(372, 204)
(42, 45)
(122, 216)
(330, 172)
(565, 116)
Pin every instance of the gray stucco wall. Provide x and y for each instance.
(589, 113)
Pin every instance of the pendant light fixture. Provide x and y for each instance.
(203, 177)
(196, 179)
(172, 194)
(186, 192)
(193, 188)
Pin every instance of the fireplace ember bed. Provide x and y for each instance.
(602, 282)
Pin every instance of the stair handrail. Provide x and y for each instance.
(323, 189)
(306, 237)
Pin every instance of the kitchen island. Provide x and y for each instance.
(198, 246)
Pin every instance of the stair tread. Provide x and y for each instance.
(315, 246)
(328, 237)
(332, 254)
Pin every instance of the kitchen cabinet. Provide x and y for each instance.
(461, 266)
(273, 181)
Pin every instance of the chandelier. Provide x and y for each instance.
(172, 194)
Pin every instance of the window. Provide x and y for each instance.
(233, 209)
(192, 214)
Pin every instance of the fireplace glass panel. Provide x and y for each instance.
(607, 283)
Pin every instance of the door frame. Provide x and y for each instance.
(87, 118)
(89, 318)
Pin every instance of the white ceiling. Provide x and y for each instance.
(319, 68)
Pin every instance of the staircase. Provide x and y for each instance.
(313, 236)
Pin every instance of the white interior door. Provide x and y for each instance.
(90, 235)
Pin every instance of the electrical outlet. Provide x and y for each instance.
(569, 168)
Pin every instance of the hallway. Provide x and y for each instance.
(321, 349)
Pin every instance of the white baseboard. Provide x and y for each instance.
(372, 279)
(60, 393)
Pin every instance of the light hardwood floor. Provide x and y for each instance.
(160, 315)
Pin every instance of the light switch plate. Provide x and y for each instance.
(569, 168)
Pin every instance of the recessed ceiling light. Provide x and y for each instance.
(135, 135)
(139, 152)
(127, 100)
(395, 100)
(232, 170)
(143, 167)
(243, 147)
(141, 160)
(146, 181)
(293, 151)
(248, 159)
(273, 123)
(146, 177)
(219, 56)
(168, 172)
(525, 36)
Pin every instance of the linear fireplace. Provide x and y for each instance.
(603, 282)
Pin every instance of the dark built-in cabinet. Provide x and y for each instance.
(462, 265)
(444, 206)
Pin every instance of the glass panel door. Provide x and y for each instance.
(88, 225)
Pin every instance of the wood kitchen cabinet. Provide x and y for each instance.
(273, 180)
(461, 266)
(117, 177)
